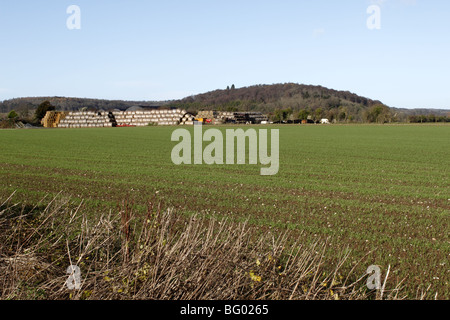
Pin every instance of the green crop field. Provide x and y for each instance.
(381, 191)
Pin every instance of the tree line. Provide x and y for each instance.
(26, 105)
(428, 119)
(281, 102)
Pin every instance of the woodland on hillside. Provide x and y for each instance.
(290, 101)
(281, 102)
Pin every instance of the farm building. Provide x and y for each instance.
(220, 117)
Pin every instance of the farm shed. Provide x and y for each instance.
(220, 117)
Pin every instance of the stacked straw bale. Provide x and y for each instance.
(52, 119)
(153, 117)
(87, 119)
(90, 119)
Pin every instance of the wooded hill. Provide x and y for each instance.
(72, 104)
(281, 102)
(290, 100)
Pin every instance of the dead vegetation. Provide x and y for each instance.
(162, 255)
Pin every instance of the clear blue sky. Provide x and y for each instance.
(155, 50)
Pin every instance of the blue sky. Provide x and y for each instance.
(157, 50)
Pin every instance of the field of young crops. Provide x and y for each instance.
(381, 191)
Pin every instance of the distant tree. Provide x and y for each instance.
(42, 110)
(232, 109)
(378, 114)
(303, 114)
(12, 115)
(333, 102)
(426, 119)
(24, 113)
(282, 115)
(318, 114)
(276, 116)
(233, 87)
(412, 119)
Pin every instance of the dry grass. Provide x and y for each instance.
(162, 255)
